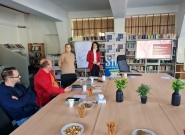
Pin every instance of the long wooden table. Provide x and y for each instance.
(157, 115)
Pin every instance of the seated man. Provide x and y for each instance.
(45, 83)
(15, 98)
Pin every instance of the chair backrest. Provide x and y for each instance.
(67, 79)
(6, 126)
(122, 64)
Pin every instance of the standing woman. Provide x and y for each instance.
(66, 61)
(93, 57)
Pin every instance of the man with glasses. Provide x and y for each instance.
(45, 83)
(15, 98)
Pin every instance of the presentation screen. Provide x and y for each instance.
(154, 49)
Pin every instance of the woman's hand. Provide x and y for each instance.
(94, 62)
(98, 63)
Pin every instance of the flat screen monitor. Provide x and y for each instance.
(154, 49)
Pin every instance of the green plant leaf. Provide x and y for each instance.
(121, 83)
(177, 85)
(143, 90)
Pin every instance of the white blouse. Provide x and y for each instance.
(95, 57)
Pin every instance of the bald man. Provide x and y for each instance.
(45, 83)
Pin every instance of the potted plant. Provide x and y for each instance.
(177, 85)
(143, 90)
(120, 84)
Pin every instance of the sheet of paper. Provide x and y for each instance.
(166, 77)
(82, 79)
(80, 96)
(132, 76)
(93, 77)
(97, 91)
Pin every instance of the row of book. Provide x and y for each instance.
(152, 36)
(133, 60)
(130, 52)
(151, 68)
(130, 45)
(87, 38)
(34, 61)
(35, 54)
(36, 48)
(11, 46)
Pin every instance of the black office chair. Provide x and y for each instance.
(122, 64)
(6, 126)
(67, 79)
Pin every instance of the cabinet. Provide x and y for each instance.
(36, 53)
(114, 46)
(150, 65)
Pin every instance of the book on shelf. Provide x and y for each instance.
(151, 36)
(136, 61)
(14, 46)
(130, 52)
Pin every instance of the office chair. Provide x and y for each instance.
(122, 64)
(67, 79)
(6, 126)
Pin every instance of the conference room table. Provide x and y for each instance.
(157, 115)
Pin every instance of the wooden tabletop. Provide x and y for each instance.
(158, 115)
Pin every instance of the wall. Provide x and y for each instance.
(8, 27)
(35, 30)
(45, 7)
(89, 14)
(119, 25)
(152, 10)
(64, 31)
(180, 19)
(38, 27)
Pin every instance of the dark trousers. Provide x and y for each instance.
(95, 70)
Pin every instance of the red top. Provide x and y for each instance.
(44, 88)
(90, 58)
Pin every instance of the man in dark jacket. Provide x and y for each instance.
(15, 98)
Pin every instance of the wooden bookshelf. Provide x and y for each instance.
(36, 53)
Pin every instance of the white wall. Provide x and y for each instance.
(152, 10)
(8, 27)
(64, 31)
(38, 27)
(45, 7)
(119, 25)
(89, 14)
(180, 18)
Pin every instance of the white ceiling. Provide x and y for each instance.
(149, 3)
(82, 5)
(90, 5)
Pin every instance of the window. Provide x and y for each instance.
(92, 26)
(150, 24)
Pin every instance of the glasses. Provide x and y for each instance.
(15, 76)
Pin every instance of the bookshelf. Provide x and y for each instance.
(56, 69)
(36, 53)
(150, 65)
(115, 45)
(17, 48)
(81, 71)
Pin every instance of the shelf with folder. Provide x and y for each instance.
(36, 53)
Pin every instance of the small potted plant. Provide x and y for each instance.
(177, 85)
(143, 90)
(120, 84)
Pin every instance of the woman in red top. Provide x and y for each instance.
(93, 57)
